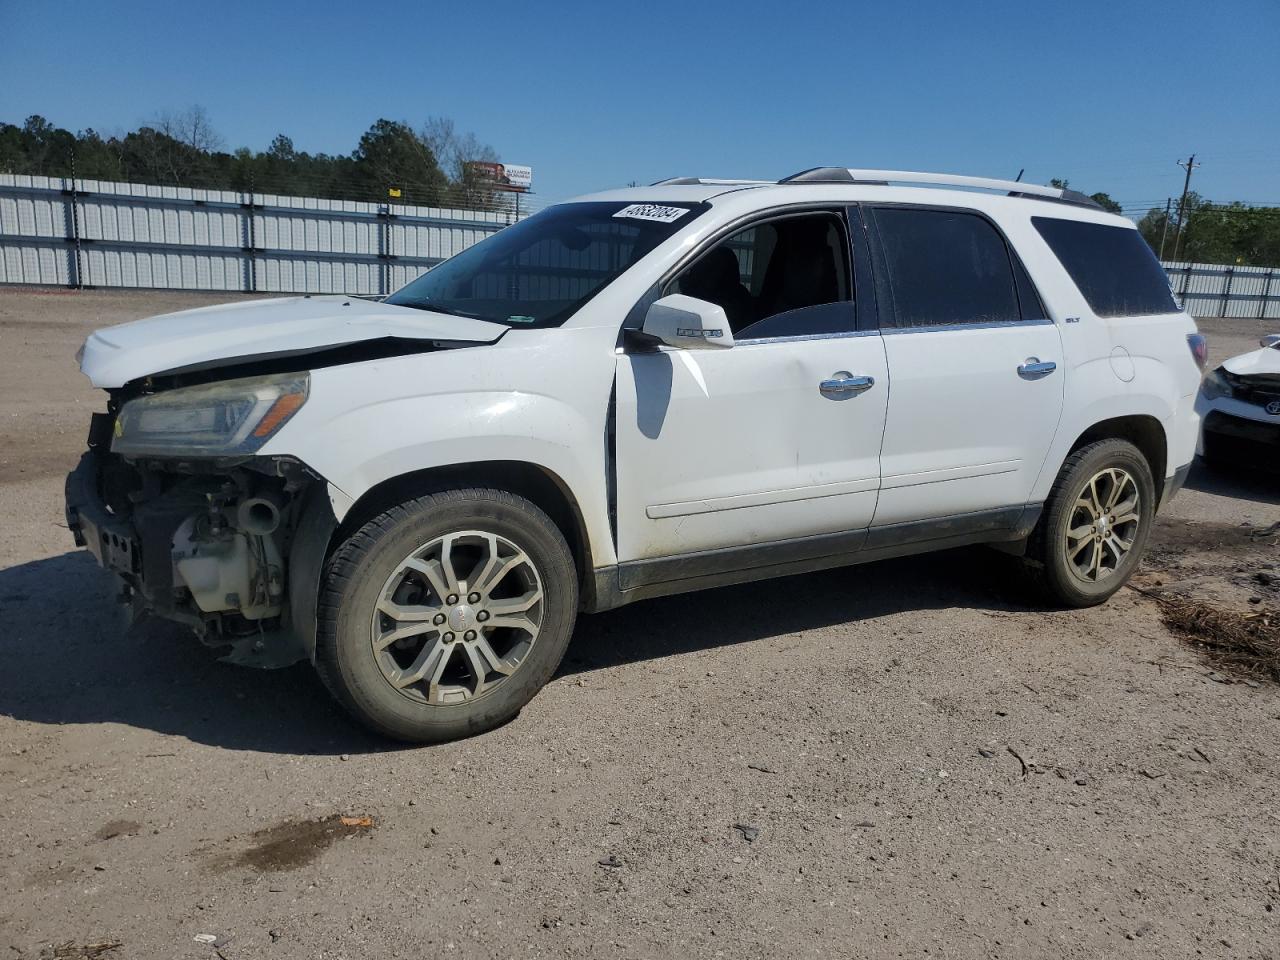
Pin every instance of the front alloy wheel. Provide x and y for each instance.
(457, 617)
(444, 615)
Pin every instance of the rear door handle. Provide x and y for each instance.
(1033, 368)
(844, 385)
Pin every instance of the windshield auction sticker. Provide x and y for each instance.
(651, 211)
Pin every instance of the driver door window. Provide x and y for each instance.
(782, 278)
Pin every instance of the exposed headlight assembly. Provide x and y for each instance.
(1216, 384)
(235, 417)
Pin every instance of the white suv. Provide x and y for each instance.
(637, 393)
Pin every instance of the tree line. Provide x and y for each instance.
(1215, 233)
(1207, 232)
(427, 165)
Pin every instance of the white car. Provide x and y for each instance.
(637, 393)
(1240, 406)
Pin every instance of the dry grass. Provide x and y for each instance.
(1245, 644)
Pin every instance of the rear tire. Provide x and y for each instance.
(1095, 525)
(443, 616)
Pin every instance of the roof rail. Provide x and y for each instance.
(707, 181)
(1014, 188)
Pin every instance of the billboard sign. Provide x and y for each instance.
(504, 176)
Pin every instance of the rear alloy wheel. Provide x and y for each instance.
(443, 616)
(1103, 525)
(1095, 524)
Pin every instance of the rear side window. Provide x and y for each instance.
(1113, 267)
(945, 267)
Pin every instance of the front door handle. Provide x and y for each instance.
(844, 385)
(1033, 368)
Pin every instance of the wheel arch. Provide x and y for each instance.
(1142, 430)
(534, 482)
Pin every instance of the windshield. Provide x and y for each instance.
(538, 272)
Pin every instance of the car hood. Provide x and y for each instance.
(1258, 363)
(258, 329)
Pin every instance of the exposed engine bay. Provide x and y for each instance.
(203, 541)
(205, 535)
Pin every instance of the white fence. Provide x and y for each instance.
(86, 233)
(1222, 290)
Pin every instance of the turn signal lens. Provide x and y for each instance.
(280, 411)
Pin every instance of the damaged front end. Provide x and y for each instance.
(173, 498)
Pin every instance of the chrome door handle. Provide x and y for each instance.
(1034, 368)
(844, 385)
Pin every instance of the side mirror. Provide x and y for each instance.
(1270, 340)
(688, 323)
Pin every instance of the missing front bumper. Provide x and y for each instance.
(153, 547)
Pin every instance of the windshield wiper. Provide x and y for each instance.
(439, 308)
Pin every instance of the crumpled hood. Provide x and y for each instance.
(238, 332)
(1262, 362)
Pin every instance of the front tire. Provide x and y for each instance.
(443, 616)
(1097, 519)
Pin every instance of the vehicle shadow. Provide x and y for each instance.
(973, 577)
(1241, 482)
(70, 657)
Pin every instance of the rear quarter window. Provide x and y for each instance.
(1114, 268)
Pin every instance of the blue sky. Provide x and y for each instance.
(594, 95)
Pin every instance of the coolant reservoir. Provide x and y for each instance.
(223, 573)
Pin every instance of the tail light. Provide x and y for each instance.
(1199, 349)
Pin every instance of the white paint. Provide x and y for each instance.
(255, 328)
(726, 447)
(747, 450)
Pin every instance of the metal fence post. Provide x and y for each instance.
(384, 249)
(1266, 294)
(77, 280)
(1226, 291)
(251, 243)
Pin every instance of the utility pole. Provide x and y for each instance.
(1164, 232)
(1189, 164)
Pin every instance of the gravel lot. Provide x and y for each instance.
(926, 765)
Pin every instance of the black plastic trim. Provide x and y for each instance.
(1243, 428)
(821, 175)
(307, 555)
(865, 295)
(1073, 198)
(1174, 483)
(662, 576)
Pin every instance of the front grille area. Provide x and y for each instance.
(1247, 442)
(1255, 390)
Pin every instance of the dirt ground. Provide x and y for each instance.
(895, 760)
